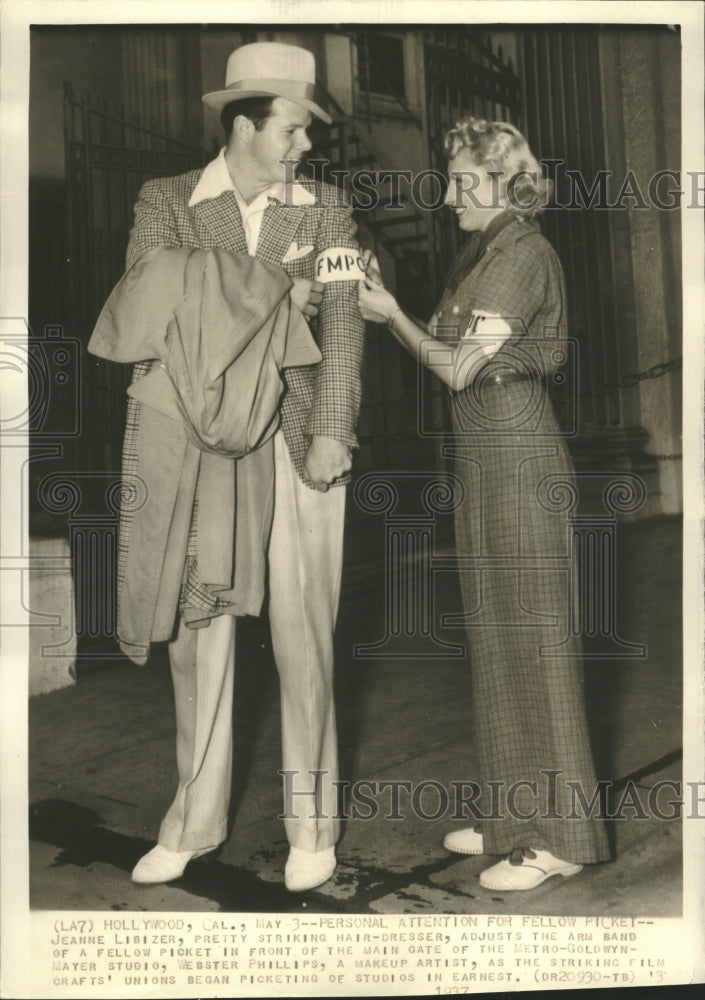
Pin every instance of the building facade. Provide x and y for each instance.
(111, 107)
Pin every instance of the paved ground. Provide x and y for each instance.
(102, 769)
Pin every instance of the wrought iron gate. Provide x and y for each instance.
(464, 75)
(108, 158)
(564, 111)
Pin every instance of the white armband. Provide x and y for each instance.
(339, 264)
(490, 329)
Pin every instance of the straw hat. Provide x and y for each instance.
(270, 69)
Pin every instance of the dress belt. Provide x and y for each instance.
(503, 378)
(506, 378)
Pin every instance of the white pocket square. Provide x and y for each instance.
(295, 253)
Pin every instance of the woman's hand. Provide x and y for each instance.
(376, 303)
(307, 295)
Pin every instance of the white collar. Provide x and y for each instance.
(216, 179)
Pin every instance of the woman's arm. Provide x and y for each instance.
(457, 365)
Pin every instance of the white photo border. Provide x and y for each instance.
(688, 936)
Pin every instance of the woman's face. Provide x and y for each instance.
(473, 193)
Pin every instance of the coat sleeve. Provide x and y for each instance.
(526, 288)
(341, 330)
(154, 225)
(514, 285)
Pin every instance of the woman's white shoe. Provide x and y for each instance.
(466, 841)
(525, 868)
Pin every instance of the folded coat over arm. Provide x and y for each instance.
(197, 489)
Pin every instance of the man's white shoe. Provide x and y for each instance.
(525, 868)
(305, 870)
(466, 841)
(162, 865)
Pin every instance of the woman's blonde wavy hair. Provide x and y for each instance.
(500, 147)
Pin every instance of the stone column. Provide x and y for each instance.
(339, 70)
(648, 67)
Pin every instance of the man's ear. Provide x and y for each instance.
(244, 128)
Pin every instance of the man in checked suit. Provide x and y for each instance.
(245, 202)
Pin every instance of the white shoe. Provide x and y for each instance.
(466, 841)
(305, 870)
(534, 868)
(163, 865)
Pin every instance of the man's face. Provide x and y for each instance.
(283, 137)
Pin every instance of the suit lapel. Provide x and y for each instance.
(222, 219)
(279, 225)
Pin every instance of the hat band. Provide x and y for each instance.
(295, 88)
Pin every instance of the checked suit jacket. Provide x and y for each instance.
(321, 399)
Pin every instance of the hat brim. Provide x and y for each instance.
(219, 98)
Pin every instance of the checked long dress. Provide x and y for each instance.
(532, 756)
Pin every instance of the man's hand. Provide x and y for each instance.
(306, 294)
(326, 460)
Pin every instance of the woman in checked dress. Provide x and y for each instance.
(496, 340)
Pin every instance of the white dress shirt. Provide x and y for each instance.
(216, 178)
